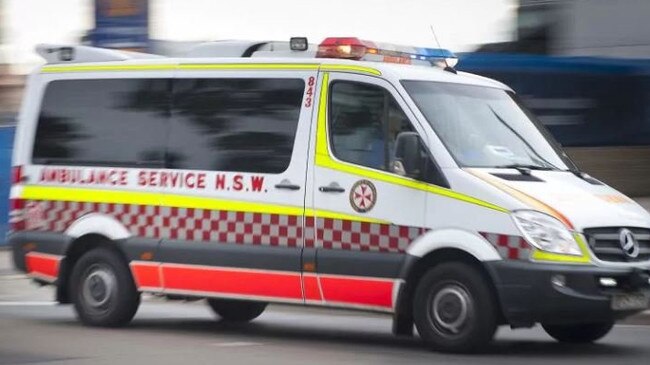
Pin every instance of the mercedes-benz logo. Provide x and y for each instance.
(628, 243)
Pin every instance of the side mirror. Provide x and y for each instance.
(408, 155)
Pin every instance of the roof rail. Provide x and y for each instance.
(247, 48)
(58, 53)
(229, 48)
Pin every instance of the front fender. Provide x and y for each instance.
(470, 242)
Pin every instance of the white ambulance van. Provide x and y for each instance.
(349, 174)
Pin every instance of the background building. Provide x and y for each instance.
(606, 28)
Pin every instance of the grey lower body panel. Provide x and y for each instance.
(230, 255)
(359, 263)
(44, 242)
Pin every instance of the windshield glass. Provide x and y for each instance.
(482, 126)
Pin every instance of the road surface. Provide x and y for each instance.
(33, 330)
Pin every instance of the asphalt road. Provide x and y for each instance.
(170, 333)
(39, 332)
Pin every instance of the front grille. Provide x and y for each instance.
(606, 246)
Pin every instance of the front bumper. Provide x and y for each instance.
(527, 295)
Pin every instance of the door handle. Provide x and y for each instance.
(287, 185)
(331, 188)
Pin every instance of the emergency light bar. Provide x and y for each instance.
(355, 49)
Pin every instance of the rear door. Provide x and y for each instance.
(233, 215)
(364, 215)
(95, 132)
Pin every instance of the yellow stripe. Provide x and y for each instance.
(212, 66)
(560, 258)
(249, 66)
(323, 159)
(321, 125)
(350, 68)
(32, 192)
(343, 216)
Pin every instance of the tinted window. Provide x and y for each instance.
(103, 122)
(234, 124)
(364, 123)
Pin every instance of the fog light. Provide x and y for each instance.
(608, 282)
(558, 280)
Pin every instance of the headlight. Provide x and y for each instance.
(546, 233)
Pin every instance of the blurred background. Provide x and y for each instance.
(583, 66)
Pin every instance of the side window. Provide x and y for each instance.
(117, 122)
(364, 121)
(246, 125)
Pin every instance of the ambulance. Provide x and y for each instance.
(349, 174)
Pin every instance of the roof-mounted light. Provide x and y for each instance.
(355, 49)
(298, 43)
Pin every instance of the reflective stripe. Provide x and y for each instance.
(249, 66)
(523, 197)
(233, 281)
(212, 66)
(350, 68)
(321, 129)
(52, 193)
(555, 257)
(372, 292)
(147, 274)
(323, 159)
(334, 215)
(42, 265)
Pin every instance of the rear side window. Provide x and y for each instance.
(246, 125)
(117, 122)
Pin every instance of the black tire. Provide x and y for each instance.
(237, 310)
(466, 313)
(103, 291)
(579, 333)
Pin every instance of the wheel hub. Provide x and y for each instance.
(451, 308)
(98, 286)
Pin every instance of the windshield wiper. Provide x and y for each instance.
(537, 155)
(524, 169)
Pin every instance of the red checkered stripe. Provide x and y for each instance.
(340, 234)
(509, 247)
(178, 223)
(227, 226)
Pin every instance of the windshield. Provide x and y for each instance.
(483, 127)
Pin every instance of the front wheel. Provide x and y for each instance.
(237, 310)
(579, 333)
(454, 308)
(103, 291)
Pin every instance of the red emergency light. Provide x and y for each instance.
(348, 47)
(353, 48)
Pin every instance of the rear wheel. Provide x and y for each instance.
(103, 291)
(454, 308)
(237, 310)
(579, 333)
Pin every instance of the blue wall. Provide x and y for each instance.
(6, 145)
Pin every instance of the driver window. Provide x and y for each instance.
(364, 122)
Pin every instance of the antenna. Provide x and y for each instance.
(435, 37)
